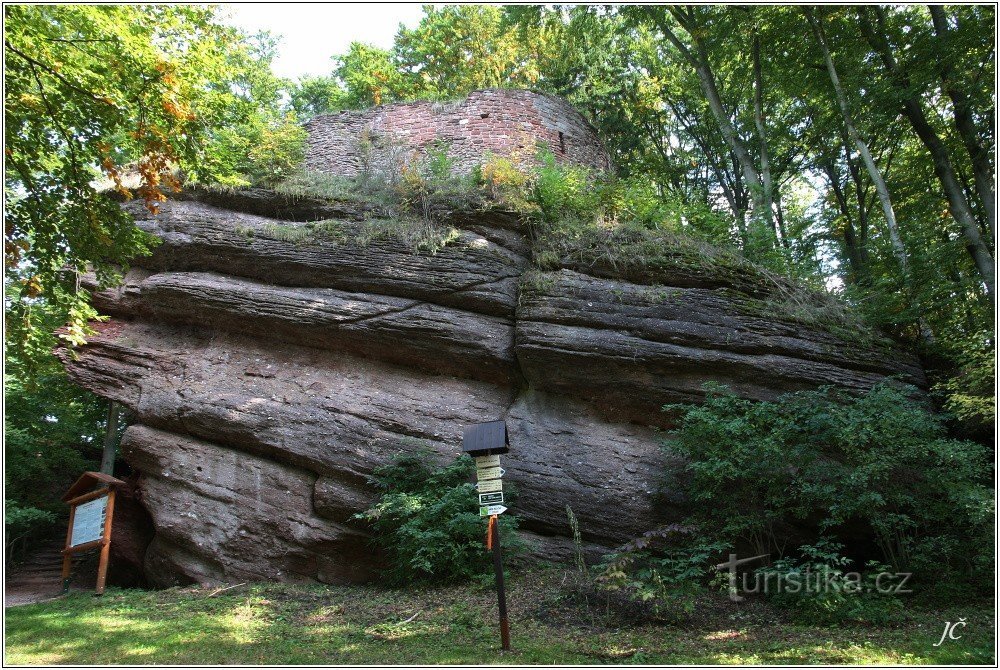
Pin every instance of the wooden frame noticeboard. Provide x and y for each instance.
(90, 518)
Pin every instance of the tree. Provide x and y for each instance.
(311, 96)
(963, 107)
(370, 76)
(876, 33)
(697, 57)
(128, 95)
(460, 48)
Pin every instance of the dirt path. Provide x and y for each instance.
(37, 579)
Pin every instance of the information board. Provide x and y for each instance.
(88, 521)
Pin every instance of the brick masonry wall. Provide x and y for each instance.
(505, 122)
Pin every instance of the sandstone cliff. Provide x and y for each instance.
(275, 352)
(269, 377)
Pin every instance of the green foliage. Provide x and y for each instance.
(664, 568)
(21, 524)
(503, 181)
(819, 588)
(460, 48)
(52, 428)
(311, 96)
(431, 185)
(971, 393)
(369, 76)
(828, 461)
(121, 93)
(563, 191)
(260, 152)
(427, 521)
(568, 196)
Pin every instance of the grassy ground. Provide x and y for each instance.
(283, 624)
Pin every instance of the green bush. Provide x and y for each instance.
(819, 588)
(829, 463)
(663, 568)
(427, 521)
(262, 151)
(431, 185)
(564, 192)
(21, 524)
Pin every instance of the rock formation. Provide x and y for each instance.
(275, 352)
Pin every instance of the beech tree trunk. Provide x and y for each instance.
(899, 250)
(698, 59)
(914, 112)
(859, 271)
(981, 167)
(758, 118)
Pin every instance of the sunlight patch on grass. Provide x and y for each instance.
(283, 624)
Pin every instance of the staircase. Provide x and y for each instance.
(38, 578)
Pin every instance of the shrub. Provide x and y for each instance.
(431, 185)
(21, 524)
(825, 462)
(818, 588)
(564, 193)
(970, 395)
(427, 521)
(263, 151)
(663, 568)
(503, 181)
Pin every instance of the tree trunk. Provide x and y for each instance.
(780, 219)
(699, 61)
(978, 155)
(859, 273)
(721, 174)
(913, 111)
(861, 195)
(110, 439)
(758, 118)
(880, 187)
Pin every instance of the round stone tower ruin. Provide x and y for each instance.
(504, 122)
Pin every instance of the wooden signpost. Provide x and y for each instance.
(90, 515)
(485, 442)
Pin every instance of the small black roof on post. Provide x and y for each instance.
(486, 439)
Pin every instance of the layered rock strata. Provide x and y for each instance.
(272, 364)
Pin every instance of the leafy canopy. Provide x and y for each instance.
(128, 95)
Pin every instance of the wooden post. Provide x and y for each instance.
(501, 593)
(110, 439)
(67, 565)
(102, 566)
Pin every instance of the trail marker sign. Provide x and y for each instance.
(485, 442)
(491, 498)
(487, 462)
(490, 486)
(490, 473)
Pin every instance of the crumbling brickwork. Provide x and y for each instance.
(505, 122)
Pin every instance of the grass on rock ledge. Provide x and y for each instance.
(315, 624)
